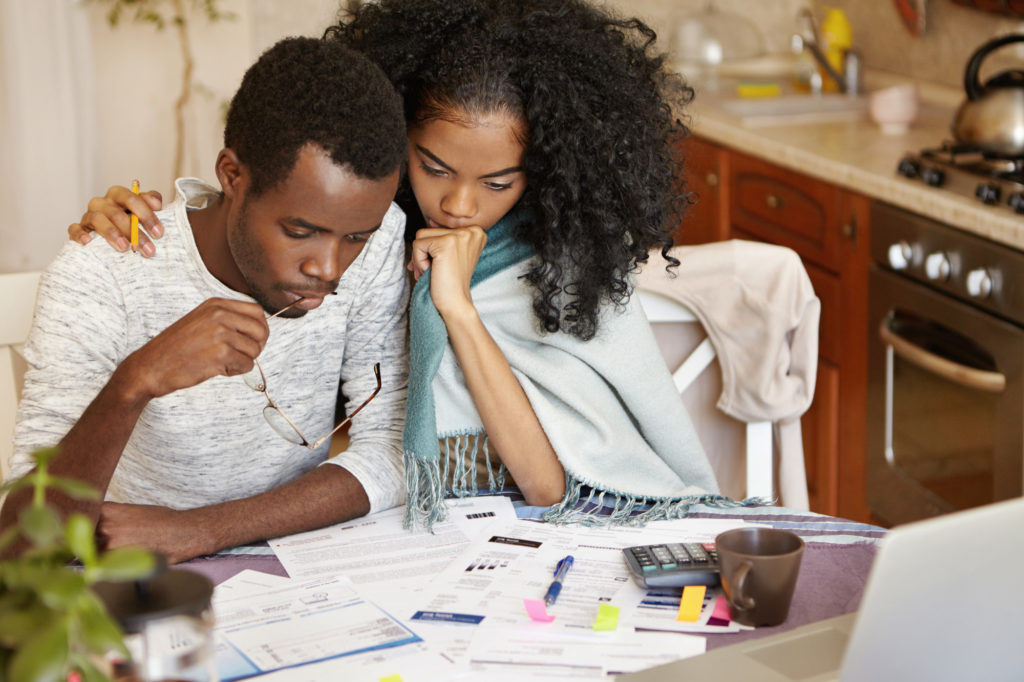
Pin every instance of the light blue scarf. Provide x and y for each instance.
(608, 406)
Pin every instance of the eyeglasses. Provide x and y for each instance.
(276, 417)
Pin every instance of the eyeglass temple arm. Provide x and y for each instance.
(346, 420)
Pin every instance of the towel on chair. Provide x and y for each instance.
(759, 309)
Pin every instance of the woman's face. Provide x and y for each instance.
(468, 173)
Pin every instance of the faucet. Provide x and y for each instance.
(811, 41)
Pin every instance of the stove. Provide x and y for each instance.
(945, 363)
(994, 181)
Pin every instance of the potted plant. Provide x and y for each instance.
(52, 624)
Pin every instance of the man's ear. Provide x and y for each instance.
(230, 172)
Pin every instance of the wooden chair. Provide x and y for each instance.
(754, 303)
(18, 292)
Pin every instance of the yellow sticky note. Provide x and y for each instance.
(391, 678)
(691, 602)
(607, 617)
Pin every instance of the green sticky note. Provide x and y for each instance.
(607, 617)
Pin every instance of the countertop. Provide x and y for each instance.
(854, 154)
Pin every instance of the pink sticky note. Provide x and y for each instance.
(537, 610)
(720, 614)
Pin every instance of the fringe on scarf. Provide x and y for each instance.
(609, 508)
(581, 503)
(427, 481)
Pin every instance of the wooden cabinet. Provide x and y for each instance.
(706, 217)
(744, 197)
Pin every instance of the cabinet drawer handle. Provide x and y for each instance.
(772, 201)
(711, 179)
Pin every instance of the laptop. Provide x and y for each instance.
(944, 601)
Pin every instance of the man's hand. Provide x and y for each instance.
(159, 529)
(220, 337)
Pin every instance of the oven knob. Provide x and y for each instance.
(1016, 202)
(933, 177)
(979, 283)
(909, 168)
(936, 266)
(988, 193)
(899, 255)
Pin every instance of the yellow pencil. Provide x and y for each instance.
(135, 220)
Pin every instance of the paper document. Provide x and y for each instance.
(297, 623)
(376, 549)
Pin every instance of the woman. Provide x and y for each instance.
(542, 161)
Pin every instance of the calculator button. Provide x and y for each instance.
(697, 552)
(681, 555)
(661, 554)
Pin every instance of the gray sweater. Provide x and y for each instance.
(210, 443)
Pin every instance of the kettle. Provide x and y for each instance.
(991, 119)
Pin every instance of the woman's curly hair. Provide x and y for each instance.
(603, 169)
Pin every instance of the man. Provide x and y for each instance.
(134, 362)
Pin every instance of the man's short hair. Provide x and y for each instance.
(307, 91)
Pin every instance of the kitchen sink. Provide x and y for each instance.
(792, 109)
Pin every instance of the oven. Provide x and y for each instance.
(946, 356)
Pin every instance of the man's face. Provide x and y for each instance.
(297, 239)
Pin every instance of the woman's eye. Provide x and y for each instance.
(433, 171)
(498, 186)
(357, 238)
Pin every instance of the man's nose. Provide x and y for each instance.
(325, 263)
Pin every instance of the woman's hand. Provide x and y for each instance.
(109, 217)
(451, 255)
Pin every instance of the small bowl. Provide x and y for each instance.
(895, 108)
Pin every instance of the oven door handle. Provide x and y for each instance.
(983, 380)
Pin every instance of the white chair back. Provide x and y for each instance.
(18, 292)
(664, 312)
(746, 360)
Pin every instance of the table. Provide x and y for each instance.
(833, 573)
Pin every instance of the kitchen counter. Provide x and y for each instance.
(854, 154)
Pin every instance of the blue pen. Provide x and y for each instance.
(561, 569)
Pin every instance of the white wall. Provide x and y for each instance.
(85, 105)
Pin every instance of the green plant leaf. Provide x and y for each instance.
(123, 563)
(59, 588)
(99, 632)
(8, 536)
(74, 488)
(41, 525)
(43, 658)
(48, 556)
(17, 626)
(15, 599)
(80, 534)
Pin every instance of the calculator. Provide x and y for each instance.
(674, 564)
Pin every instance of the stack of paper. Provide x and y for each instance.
(370, 600)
